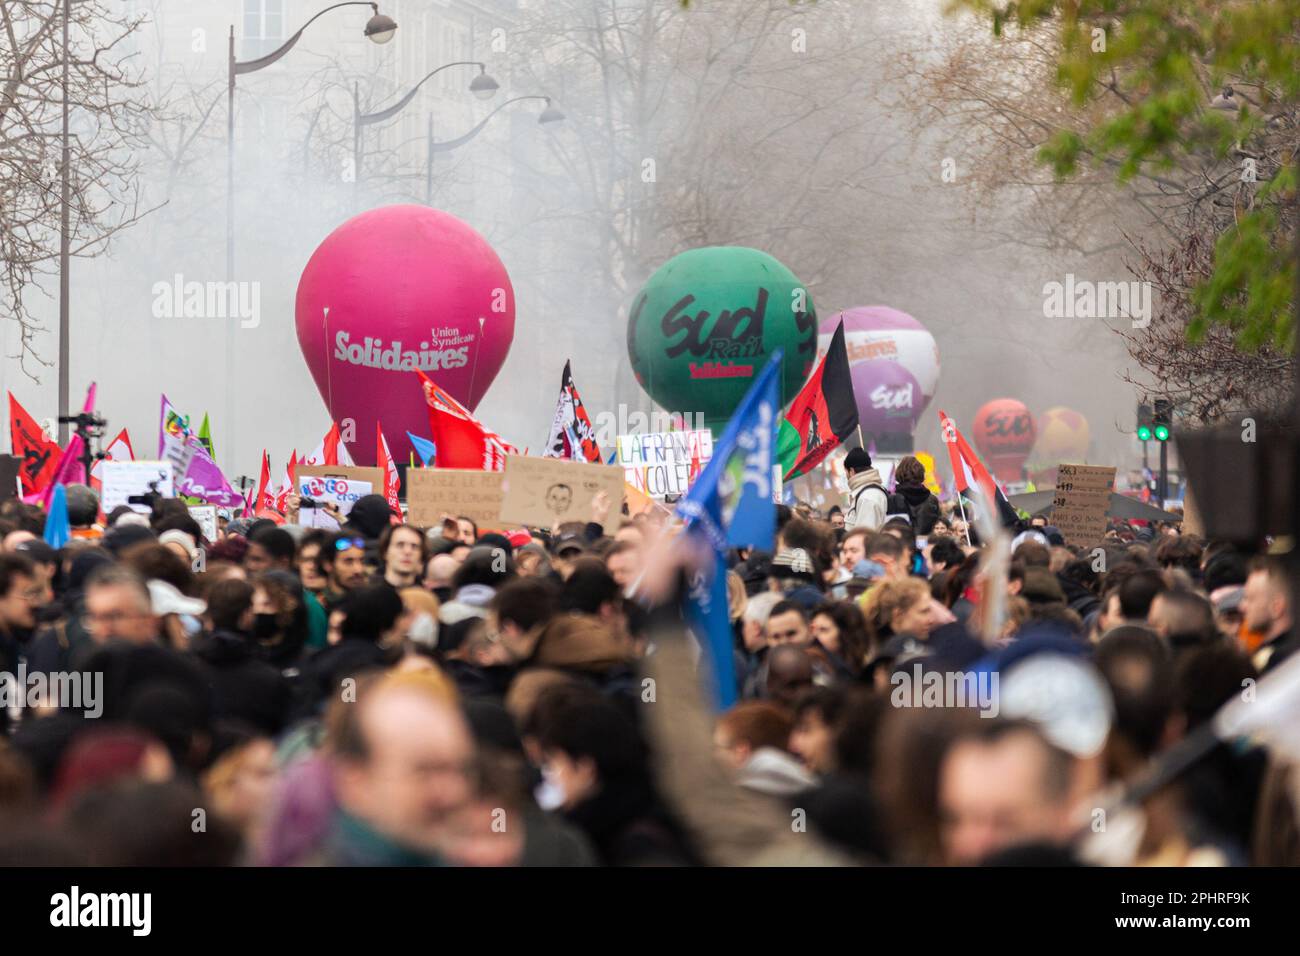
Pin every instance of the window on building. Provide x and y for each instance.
(263, 27)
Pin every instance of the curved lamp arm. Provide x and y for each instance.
(252, 66)
(451, 144)
(370, 119)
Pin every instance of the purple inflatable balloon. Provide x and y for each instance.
(894, 363)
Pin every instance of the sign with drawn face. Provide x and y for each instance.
(542, 492)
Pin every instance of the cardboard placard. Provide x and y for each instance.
(660, 464)
(123, 479)
(544, 491)
(342, 485)
(206, 516)
(433, 492)
(1082, 502)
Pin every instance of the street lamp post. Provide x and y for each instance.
(379, 29)
(548, 115)
(65, 247)
(482, 86)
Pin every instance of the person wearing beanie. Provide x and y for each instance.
(369, 517)
(868, 499)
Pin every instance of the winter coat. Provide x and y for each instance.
(916, 501)
(244, 687)
(868, 501)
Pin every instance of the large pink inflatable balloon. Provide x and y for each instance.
(392, 290)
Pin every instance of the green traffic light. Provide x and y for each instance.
(1162, 433)
(1144, 433)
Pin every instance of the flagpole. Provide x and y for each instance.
(962, 505)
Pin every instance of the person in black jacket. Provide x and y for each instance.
(369, 638)
(244, 686)
(912, 498)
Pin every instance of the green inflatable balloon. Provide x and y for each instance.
(707, 321)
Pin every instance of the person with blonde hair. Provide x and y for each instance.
(902, 606)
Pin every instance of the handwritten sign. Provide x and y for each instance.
(474, 494)
(543, 491)
(664, 463)
(206, 516)
(1082, 502)
(126, 479)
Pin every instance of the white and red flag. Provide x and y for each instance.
(286, 486)
(969, 472)
(331, 451)
(572, 435)
(118, 450)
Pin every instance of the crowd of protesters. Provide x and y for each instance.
(386, 694)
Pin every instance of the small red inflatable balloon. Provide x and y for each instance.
(1004, 434)
(392, 290)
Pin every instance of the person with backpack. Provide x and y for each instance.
(912, 498)
(868, 499)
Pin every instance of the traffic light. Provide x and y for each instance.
(1162, 420)
(1145, 421)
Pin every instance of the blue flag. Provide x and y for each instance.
(57, 529)
(426, 449)
(730, 505)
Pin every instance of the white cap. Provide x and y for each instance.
(186, 541)
(166, 599)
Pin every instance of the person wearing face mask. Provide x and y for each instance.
(422, 612)
(244, 687)
(280, 622)
(596, 774)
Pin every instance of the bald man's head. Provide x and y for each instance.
(439, 571)
(789, 673)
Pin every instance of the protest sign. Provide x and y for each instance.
(125, 479)
(206, 516)
(341, 485)
(544, 491)
(660, 464)
(1082, 501)
(434, 492)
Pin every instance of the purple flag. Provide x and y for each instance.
(204, 480)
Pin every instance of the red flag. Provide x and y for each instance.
(263, 497)
(40, 455)
(463, 441)
(70, 469)
(392, 482)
